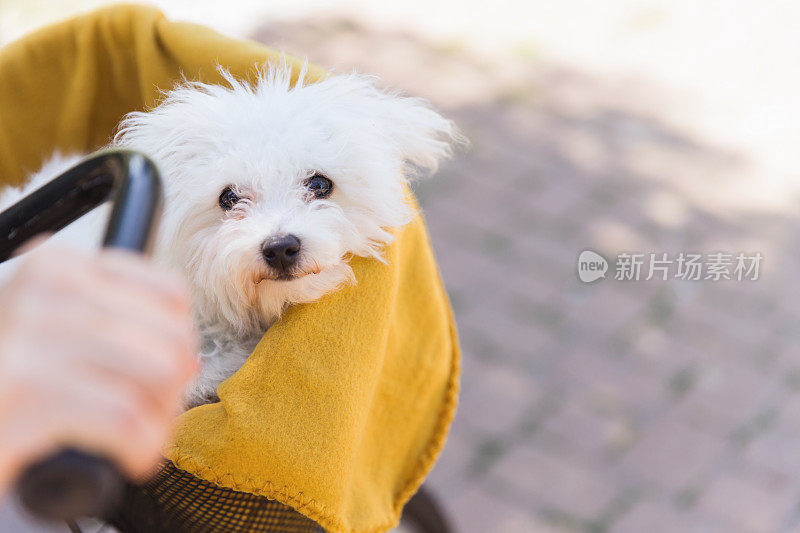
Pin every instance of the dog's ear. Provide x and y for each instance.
(422, 136)
(419, 136)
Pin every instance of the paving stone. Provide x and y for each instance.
(608, 383)
(671, 455)
(579, 431)
(725, 396)
(772, 451)
(748, 504)
(603, 308)
(656, 349)
(479, 511)
(657, 516)
(498, 397)
(553, 482)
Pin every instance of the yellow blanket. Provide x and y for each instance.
(344, 406)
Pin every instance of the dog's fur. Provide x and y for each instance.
(264, 141)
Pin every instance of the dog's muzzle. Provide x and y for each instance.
(281, 253)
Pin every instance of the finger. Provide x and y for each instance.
(125, 318)
(125, 355)
(99, 416)
(134, 270)
(152, 309)
(93, 309)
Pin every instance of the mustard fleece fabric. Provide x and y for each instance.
(345, 404)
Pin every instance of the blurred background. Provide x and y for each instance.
(619, 126)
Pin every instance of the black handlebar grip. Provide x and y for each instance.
(72, 483)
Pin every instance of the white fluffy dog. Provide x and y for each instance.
(269, 188)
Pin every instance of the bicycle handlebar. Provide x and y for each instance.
(72, 483)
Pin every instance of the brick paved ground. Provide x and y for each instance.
(620, 407)
(617, 406)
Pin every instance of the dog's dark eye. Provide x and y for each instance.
(227, 199)
(319, 185)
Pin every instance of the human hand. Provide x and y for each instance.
(95, 353)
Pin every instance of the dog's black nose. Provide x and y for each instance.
(281, 252)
